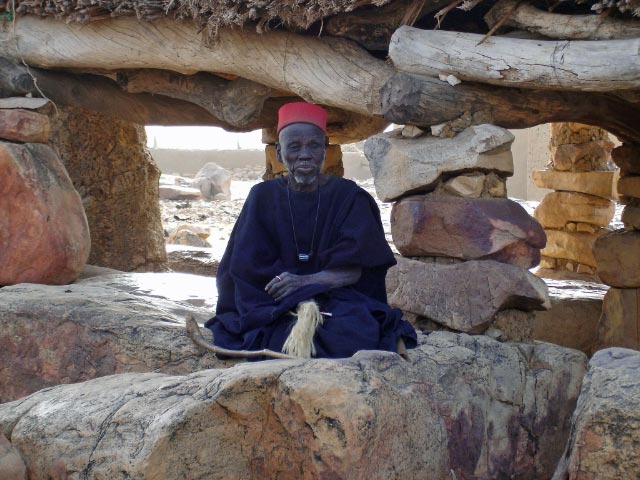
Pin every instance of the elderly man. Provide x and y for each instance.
(307, 236)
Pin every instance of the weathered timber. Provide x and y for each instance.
(525, 16)
(330, 71)
(557, 65)
(237, 102)
(424, 101)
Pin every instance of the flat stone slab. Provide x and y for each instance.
(102, 325)
(403, 165)
(559, 208)
(592, 183)
(468, 405)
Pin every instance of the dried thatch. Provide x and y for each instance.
(209, 14)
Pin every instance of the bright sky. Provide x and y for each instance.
(203, 138)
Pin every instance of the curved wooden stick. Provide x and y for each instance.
(193, 331)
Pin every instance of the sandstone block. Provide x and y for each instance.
(571, 132)
(605, 426)
(465, 296)
(599, 184)
(401, 165)
(20, 125)
(44, 237)
(629, 186)
(620, 321)
(575, 246)
(112, 323)
(617, 256)
(443, 225)
(468, 405)
(631, 217)
(582, 157)
(627, 157)
(559, 208)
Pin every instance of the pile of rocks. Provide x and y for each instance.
(617, 256)
(44, 236)
(466, 247)
(576, 214)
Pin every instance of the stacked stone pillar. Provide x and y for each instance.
(617, 257)
(44, 236)
(274, 168)
(465, 247)
(576, 214)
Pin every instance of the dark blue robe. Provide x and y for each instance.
(349, 233)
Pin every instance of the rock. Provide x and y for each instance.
(20, 125)
(582, 157)
(570, 132)
(627, 157)
(576, 246)
(211, 180)
(112, 170)
(559, 208)
(198, 261)
(631, 217)
(605, 426)
(469, 407)
(469, 229)
(629, 186)
(401, 166)
(411, 131)
(620, 322)
(100, 326)
(468, 186)
(189, 236)
(571, 321)
(494, 186)
(12, 466)
(176, 192)
(617, 256)
(466, 296)
(599, 184)
(28, 103)
(44, 237)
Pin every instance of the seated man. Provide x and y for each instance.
(307, 236)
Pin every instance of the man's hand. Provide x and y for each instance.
(282, 285)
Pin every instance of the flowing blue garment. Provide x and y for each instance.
(349, 233)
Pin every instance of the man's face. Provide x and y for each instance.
(302, 149)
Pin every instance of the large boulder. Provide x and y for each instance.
(44, 236)
(559, 208)
(99, 326)
(463, 407)
(464, 296)
(110, 166)
(212, 180)
(617, 257)
(404, 165)
(599, 184)
(20, 125)
(481, 228)
(605, 426)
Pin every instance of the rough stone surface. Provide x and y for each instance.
(190, 236)
(599, 184)
(465, 296)
(468, 405)
(572, 320)
(582, 157)
(44, 237)
(469, 185)
(571, 132)
(12, 466)
(401, 165)
(213, 180)
(20, 125)
(116, 178)
(605, 426)
(620, 321)
(575, 246)
(631, 217)
(629, 186)
(627, 157)
(469, 229)
(199, 261)
(559, 208)
(617, 256)
(99, 326)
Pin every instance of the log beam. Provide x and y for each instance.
(604, 65)
(524, 16)
(424, 101)
(329, 71)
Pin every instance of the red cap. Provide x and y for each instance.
(302, 112)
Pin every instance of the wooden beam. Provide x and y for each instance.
(566, 27)
(424, 101)
(604, 65)
(329, 71)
